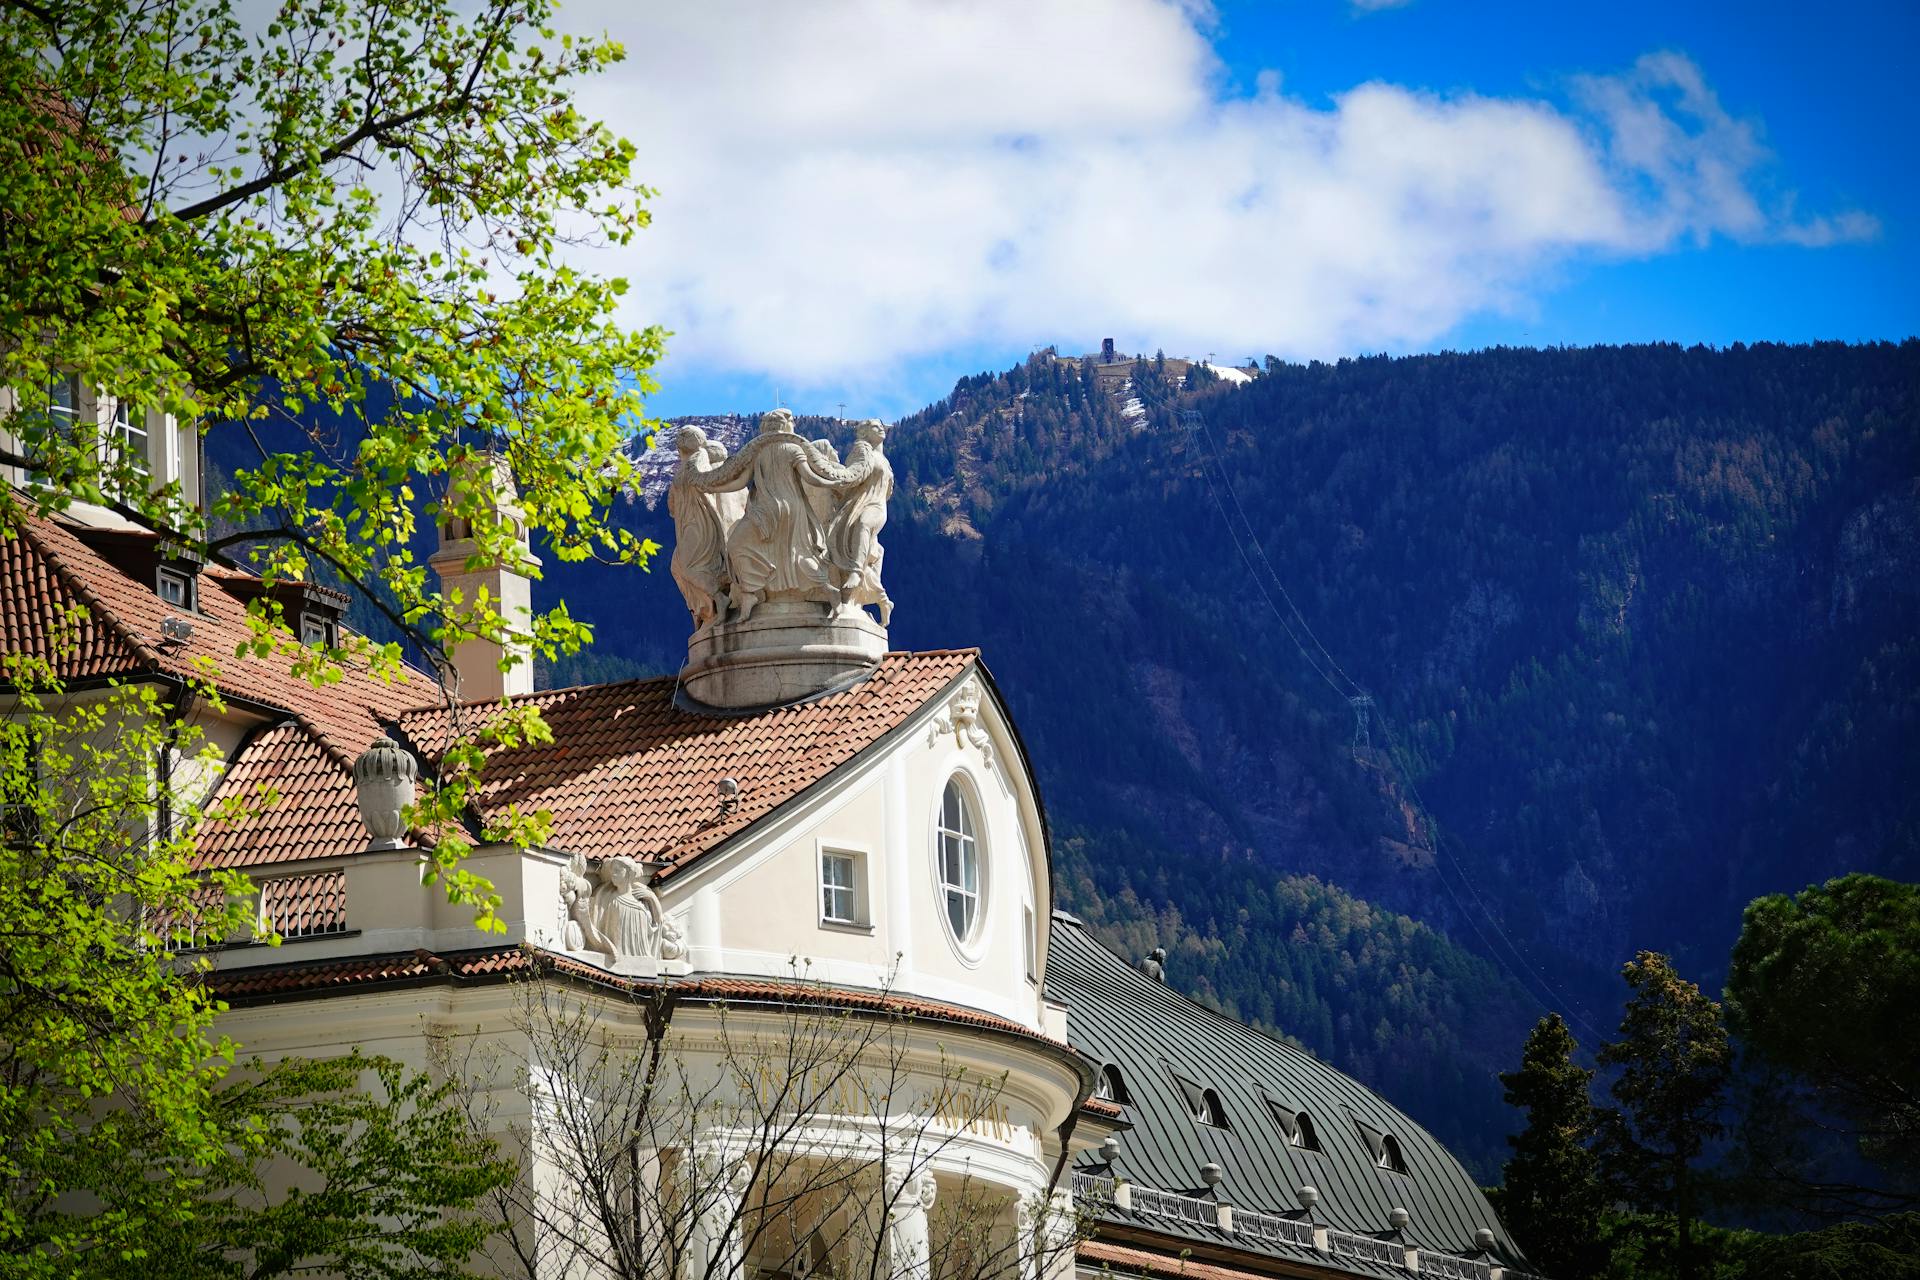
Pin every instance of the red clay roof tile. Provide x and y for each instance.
(629, 773)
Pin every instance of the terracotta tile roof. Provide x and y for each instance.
(37, 618)
(629, 773)
(264, 983)
(346, 716)
(53, 566)
(1103, 1107)
(314, 815)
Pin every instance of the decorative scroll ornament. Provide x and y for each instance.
(613, 916)
(962, 720)
(783, 519)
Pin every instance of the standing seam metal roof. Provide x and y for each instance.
(1117, 1014)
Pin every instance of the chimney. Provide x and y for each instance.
(476, 661)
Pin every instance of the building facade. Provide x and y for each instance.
(805, 882)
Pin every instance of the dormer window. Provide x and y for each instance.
(316, 629)
(1112, 1087)
(1203, 1104)
(1385, 1148)
(174, 586)
(1295, 1126)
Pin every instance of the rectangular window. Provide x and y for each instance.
(315, 630)
(63, 414)
(174, 587)
(130, 437)
(840, 888)
(1030, 944)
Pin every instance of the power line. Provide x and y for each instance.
(1357, 697)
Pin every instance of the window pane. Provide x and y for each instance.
(950, 808)
(957, 914)
(969, 868)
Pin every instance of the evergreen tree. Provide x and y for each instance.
(1552, 1199)
(1822, 987)
(1674, 1060)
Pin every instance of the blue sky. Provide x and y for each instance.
(862, 209)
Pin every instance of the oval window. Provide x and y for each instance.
(958, 853)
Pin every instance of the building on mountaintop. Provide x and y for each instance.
(803, 825)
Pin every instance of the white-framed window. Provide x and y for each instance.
(63, 416)
(957, 851)
(174, 587)
(1029, 943)
(129, 437)
(1203, 1103)
(843, 887)
(315, 630)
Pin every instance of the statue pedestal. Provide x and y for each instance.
(787, 651)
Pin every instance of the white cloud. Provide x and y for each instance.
(847, 185)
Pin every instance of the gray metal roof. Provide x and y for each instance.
(1118, 1015)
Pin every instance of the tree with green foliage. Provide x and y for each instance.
(1552, 1197)
(335, 229)
(1823, 987)
(1673, 1061)
(129, 1145)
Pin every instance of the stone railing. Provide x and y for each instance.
(1448, 1267)
(1347, 1244)
(1166, 1204)
(1092, 1191)
(1103, 1193)
(1273, 1227)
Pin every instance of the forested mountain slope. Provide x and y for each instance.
(1642, 620)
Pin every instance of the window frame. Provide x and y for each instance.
(1295, 1126)
(1030, 941)
(127, 425)
(966, 944)
(860, 919)
(1204, 1104)
(316, 629)
(167, 573)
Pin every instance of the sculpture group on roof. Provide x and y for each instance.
(783, 519)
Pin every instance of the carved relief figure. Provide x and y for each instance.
(700, 523)
(610, 910)
(962, 720)
(576, 899)
(853, 535)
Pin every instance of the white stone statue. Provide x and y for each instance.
(778, 549)
(786, 524)
(611, 911)
(700, 524)
(853, 535)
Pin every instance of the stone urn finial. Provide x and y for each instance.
(383, 779)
